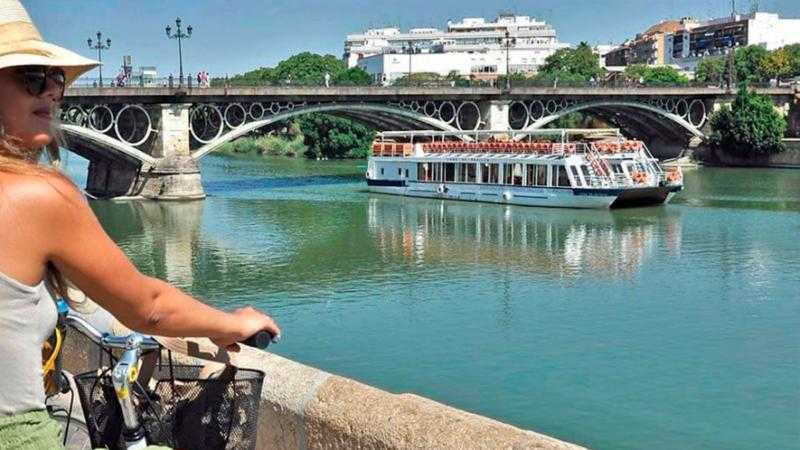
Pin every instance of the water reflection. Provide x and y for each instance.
(565, 243)
(161, 237)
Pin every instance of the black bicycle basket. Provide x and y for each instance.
(182, 411)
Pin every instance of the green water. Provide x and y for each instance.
(674, 327)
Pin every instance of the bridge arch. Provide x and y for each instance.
(358, 111)
(648, 113)
(82, 140)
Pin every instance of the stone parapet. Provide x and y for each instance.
(303, 408)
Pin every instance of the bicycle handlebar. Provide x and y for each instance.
(260, 340)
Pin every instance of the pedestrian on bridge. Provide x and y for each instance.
(50, 235)
(327, 79)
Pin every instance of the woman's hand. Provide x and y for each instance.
(246, 322)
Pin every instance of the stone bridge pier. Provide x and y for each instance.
(152, 161)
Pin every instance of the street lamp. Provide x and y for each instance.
(100, 47)
(732, 51)
(179, 35)
(410, 50)
(508, 40)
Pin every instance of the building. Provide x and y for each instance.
(685, 47)
(473, 47)
(601, 51)
(647, 48)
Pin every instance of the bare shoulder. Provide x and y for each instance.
(41, 196)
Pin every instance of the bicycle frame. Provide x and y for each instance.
(124, 374)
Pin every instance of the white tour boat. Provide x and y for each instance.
(571, 168)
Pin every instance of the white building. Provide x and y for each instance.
(685, 48)
(473, 47)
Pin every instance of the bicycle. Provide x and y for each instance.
(176, 408)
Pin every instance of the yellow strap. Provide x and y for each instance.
(51, 362)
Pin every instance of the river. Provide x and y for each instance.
(662, 328)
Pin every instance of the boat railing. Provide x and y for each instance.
(392, 149)
(532, 148)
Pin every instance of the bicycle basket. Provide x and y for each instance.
(182, 411)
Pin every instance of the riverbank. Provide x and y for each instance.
(267, 145)
(788, 159)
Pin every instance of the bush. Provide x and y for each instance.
(750, 127)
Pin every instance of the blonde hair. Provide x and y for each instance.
(17, 159)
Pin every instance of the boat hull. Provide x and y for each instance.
(529, 196)
(510, 195)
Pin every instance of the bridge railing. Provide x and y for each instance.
(190, 81)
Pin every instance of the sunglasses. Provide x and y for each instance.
(35, 79)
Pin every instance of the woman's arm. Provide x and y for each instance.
(83, 252)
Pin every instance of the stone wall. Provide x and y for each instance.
(303, 408)
(788, 159)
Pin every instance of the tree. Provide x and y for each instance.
(354, 76)
(656, 76)
(747, 61)
(335, 137)
(456, 79)
(417, 78)
(750, 127)
(777, 64)
(711, 70)
(794, 56)
(578, 63)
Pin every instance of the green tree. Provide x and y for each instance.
(711, 70)
(456, 79)
(417, 78)
(335, 137)
(750, 127)
(656, 76)
(794, 56)
(354, 76)
(748, 61)
(307, 68)
(777, 64)
(568, 63)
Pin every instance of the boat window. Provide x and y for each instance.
(512, 174)
(471, 169)
(449, 171)
(561, 178)
(466, 173)
(575, 175)
(541, 175)
(422, 172)
(616, 167)
(490, 173)
(406, 173)
(586, 176)
(399, 172)
(381, 170)
(437, 172)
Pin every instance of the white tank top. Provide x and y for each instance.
(27, 318)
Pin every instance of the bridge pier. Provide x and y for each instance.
(497, 115)
(176, 175)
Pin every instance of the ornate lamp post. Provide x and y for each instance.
(732, 52)
(410, 50)
(179, 35)
(508, 40)
(100, 47)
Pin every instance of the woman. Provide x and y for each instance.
(48, 233)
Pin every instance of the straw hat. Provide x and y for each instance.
(22, 45)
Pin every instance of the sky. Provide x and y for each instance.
(234, 36)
